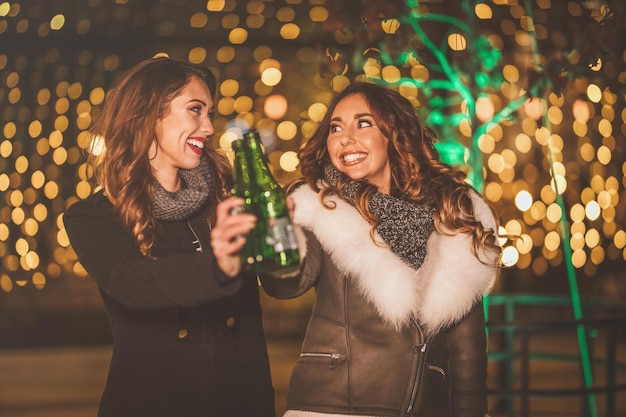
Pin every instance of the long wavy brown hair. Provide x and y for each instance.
(417, 174)
(127, 123)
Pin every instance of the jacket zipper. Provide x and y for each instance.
(418, 376)
(437, 369)
(333, 356)
(196, 243)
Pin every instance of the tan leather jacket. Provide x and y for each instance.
(370, 346)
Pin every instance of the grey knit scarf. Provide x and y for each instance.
(196, 189)
(403, 225)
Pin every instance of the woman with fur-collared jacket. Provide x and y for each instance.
(400, 251)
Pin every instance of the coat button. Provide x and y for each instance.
(230, 322)
(182, 333)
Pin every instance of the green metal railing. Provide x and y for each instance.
(513, 331)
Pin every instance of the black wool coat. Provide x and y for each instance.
(188, 341)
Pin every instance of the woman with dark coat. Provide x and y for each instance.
(161, 243)
(400, 251)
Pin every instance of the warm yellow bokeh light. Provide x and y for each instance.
(286, 130)
(215, 5)
(317, 111)
(237, 36)
(594, 93)
(483, 11)
(391, 74)
(523, 200)
(510, 256)
(592, 210)
(534, 108)
(228, 137)
(554, 213)
(484, 109)
(390, 26)
(271, 76)
(457, 42)
(290, 31)
(57, 22)
(580, 109)
(579, 258)
(289, 161)
(275, 106)
(318, 14)
(552, 241)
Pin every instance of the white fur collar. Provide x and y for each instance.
(441, 292)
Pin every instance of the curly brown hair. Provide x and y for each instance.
(127, 124)
(417, 174)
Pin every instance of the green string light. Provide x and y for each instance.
(567, 249)
(451, 152)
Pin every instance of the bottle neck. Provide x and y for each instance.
(242, 168)
(258, 161)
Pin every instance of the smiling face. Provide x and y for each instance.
(355, 144)
(181, 134)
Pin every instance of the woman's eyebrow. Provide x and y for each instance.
(356, 116)
(197, 100)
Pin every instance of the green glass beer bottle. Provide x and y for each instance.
(271, 246)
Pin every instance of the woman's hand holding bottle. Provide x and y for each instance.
(228, 236)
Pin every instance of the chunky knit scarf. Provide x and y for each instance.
(196, 189)
(403, 225)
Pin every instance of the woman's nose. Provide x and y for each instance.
(348, 137)
(207, 127)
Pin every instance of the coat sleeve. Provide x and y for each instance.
(467, 365)
(113, 260)
(306, 278)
